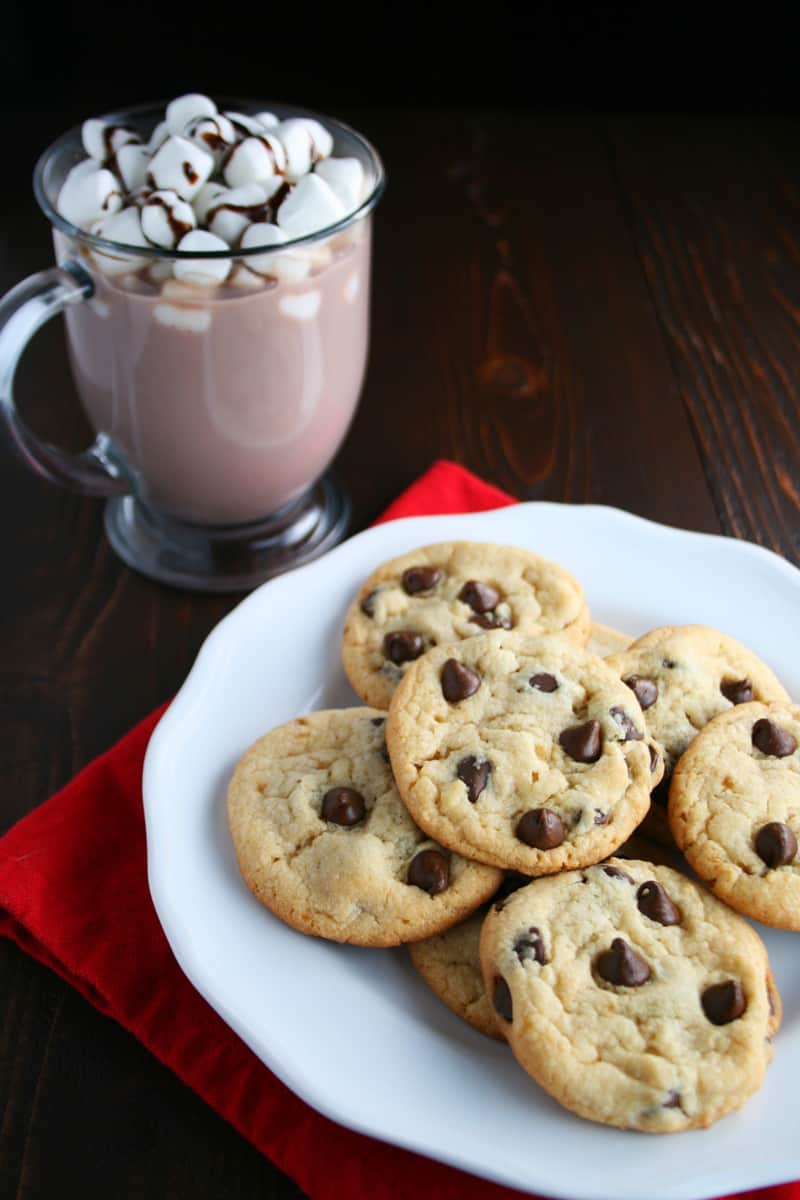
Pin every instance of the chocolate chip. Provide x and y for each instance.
(776, 844)
(738, 691)
(655, 758)
(669, 663)
(404, 645)
(490, 620)
(458, 681)
(368, 604)
(540, 828)
(501, 999)
(543, 681)
(529, 946)
(621, 965)
(615, 873)
(723, 1002)
(770, 739)
(430, 871)
(473, 772)
(600, 817)
(377, 720)
(481, 597)
(653, 901)
(673, 1100)
(343, 806)
(621, 718)
(645, 690)
(420, 579)
(582, 743)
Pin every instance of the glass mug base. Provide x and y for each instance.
(228, 558)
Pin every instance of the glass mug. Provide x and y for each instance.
(217, 410)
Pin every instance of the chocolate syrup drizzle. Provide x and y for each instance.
(179, 228)
(110, 160)
(256, 213)
(265, 141)
(215, 141)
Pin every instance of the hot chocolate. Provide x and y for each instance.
(227, 383)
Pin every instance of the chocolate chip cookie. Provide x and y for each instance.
(450, 965)
(450, 962)
(683, 676)
(734, 810)
(440, 594)
(631, 995)
(325, 842)
(528, 753)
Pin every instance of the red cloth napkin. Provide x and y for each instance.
(73, 894)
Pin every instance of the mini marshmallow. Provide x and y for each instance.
(321, 141)
(159, 272)
(267, 120)
(289, 267)
(192, 320)
(305, 142)
(311, 206)
(345, 177)
(181, 166)
(235, 209)
(93, 136)
(166, 219)
(303, 307)
(101, 139)
(158, 137)
(242, 278)
(299, 145)
(254, 160)
(245, 126)
(215, 134)
(123, 227)
(89, 192)
(182, 109)
(202, 271)
(132, 161)
(204, 199)
(188, 293)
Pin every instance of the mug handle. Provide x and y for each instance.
(23, 311)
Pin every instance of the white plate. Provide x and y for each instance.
(405, 1069)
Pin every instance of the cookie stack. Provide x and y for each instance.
(471, 810)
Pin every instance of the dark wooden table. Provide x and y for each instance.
(577, 308)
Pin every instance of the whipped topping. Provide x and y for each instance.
(209, 180)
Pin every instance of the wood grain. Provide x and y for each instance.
(719, 248)
(578, 309)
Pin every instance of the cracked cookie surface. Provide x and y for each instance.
(683, 677)
(734, 810)
(324, 840)
(441, 593)
(631, 995)
(527, 753)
